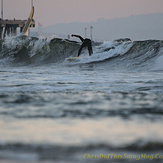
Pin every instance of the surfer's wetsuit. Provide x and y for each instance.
(85, 43)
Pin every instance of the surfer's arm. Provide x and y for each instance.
(81, 38)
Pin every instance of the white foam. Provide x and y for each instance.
(107, 50)
(159, 63)
(37, 47)
(14, 42)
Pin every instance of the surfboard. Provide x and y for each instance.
(28, 22)
(73, 59)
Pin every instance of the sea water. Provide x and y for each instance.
(104, 108)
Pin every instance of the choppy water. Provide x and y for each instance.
(60, 111)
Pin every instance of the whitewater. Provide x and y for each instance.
(103, 108)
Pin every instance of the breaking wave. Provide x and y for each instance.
(139, 55)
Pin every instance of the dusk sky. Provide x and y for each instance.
(50, 12)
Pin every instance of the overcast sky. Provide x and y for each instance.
(50, 12)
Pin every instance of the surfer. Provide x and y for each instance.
(85, 43)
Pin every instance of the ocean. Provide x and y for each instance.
(104, 108)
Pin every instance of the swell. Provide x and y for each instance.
(76, 152)
(27, 50)
(141, 145)
(140, 105)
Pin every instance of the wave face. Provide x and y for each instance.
(139, 55)
(27, 50)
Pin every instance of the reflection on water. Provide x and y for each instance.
(116, 131)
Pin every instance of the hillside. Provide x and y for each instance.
(138, 27)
